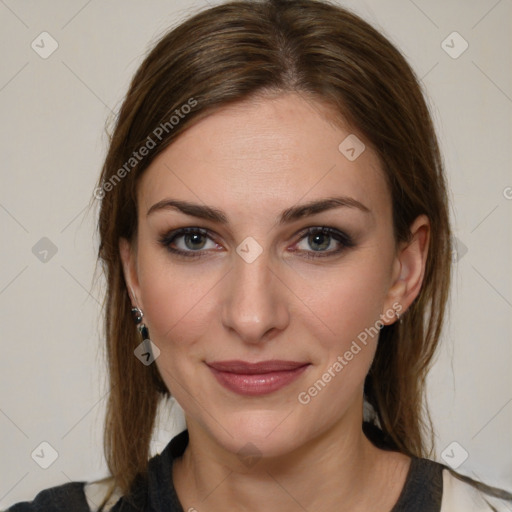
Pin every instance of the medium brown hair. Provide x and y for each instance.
(230, 53)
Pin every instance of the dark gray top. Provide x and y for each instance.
(422, 491)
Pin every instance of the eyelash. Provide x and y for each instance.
(342, 238)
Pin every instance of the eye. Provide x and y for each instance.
(315, 242)
(189, 242)
(320, 242)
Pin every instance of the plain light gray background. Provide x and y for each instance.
(52, 145)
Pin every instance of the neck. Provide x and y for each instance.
(338, 469)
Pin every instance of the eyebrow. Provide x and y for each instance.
(288, 215)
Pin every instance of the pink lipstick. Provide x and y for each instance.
(254, 379)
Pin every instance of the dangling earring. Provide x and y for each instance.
(398, 317)
(138, 315)
(146, 351)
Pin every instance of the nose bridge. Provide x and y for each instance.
(253, 302)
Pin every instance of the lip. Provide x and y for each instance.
(254, 379)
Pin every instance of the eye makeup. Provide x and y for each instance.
(180, 242)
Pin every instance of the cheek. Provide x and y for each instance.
(346, 301)
(175, 305)
(178, 306)
(349, 311)
(178, 299)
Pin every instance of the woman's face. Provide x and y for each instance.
(250, 285)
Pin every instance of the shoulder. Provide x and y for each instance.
(102, 496)
(461, 493)
(97, 492)
(434, 487)
(75, 496)
(69, 496)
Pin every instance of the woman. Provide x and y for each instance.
(275, 235)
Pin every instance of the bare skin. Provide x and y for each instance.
(361, 478)
(253, 161)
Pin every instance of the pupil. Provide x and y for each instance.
(194, 238)
(317, 239)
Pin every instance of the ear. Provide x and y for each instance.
(129, 262)
(408, 269)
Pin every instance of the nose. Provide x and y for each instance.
(254, 300)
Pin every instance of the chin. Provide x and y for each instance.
(267, 433)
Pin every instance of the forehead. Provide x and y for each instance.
(266, 154)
